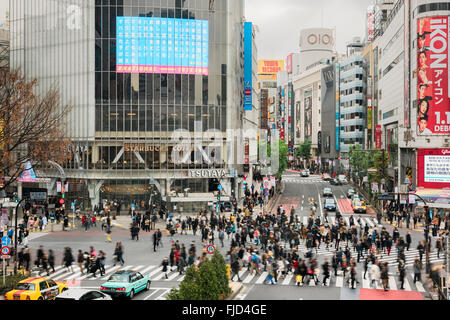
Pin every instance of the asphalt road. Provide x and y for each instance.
(139, 255)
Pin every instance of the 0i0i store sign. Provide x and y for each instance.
(433, 105)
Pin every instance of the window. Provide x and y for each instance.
(43, 285)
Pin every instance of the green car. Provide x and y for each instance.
(125, 283)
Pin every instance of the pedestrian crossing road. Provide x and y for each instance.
(308, 180)
(156, 275)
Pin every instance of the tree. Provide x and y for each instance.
(304, 151)
(209, 282)
(282, 155)
(359, 158)
(31, 126)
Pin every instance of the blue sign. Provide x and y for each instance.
(220, 187)
(6, 241)
(248, 66)
(162, 45)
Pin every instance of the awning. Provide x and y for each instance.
(435, 198)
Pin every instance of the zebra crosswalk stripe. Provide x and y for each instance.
(339, 281)
(172, 276)
(406, 284)
(418, 284)
(305, 220)
(147, 269)
(392, 283)
(332, 219)
(366, 283)
(262, 277)
(288, 279)
(249, 278)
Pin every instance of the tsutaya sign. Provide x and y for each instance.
(208, 173)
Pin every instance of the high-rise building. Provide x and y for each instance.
(135, 72)
(352, 111)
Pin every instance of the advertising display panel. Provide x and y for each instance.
(248, 61)
(433, 168)
(433, 107)
(162, 45)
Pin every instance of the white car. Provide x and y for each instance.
(342, 179)
(82, 294)
(305, 173)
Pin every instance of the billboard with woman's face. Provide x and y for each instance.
(433, 107)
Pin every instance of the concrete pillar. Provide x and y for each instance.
(94, 191)
(19, 189)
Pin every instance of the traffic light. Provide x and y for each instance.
(218, 196)
(16, 198)
(61, 201)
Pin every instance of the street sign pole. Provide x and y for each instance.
(4, 271)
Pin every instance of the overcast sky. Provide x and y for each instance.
(4, 5)
(280, 22)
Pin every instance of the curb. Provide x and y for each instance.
(233, 294)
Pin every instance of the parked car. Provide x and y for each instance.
(305, 173)
(326, 177)
(329, 204)
(327, 192)
(350, 193)
(342, 179)
(125, 283)
(82, 295)
(359, 207)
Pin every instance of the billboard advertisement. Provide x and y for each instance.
(248, 62)
(316, 39)
(433, 168)
(370, 23)
(308, 114)
(433, 108)
(378, 136)
(268, 69)
(162, 45)
(289, 63)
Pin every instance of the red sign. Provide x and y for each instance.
(5, 251)
(248, 92)
(433, 168)
(378, 136)
(289, 63)
(433, 103)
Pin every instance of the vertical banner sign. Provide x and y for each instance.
(433, 107)
(406, 59)
(378, 136)
(337, 107)
(58, 186)
(289, 63)
(248, 63)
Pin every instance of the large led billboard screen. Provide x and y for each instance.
(433, 168)
(162, 45)
(433, 103)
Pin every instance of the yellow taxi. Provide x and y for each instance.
(360, 207)
(41, 288)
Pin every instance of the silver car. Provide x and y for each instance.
(82, 294)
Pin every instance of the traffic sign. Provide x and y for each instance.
(219, 187)
(6, 241)
(386, 196)
(210, 249)
(5, 251)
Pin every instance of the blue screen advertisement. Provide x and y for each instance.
(162, 45)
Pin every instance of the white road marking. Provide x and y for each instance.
(339, 282)
(287, 279)
(262, 277)
(392, 283)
